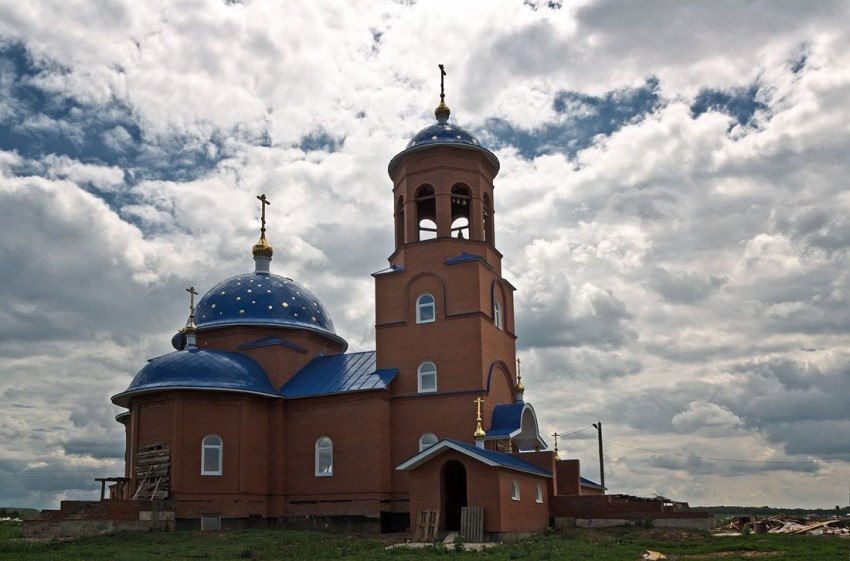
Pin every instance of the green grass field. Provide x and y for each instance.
(618, 544)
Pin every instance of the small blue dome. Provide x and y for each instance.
(262, 299)
(199, 369)
(444, 133)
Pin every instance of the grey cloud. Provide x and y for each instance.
(682, 287)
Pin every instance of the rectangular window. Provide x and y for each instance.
(210, 522)
(212, 461)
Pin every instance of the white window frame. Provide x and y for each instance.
(497, 314)
(419, 376)
(539, 498)
(431, 440)
(324, 457)
(208, 445)
(514, 490)
(420, 306)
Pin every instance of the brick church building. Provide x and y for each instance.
(261, 418)
(261, 414)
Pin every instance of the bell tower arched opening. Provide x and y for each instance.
(399, 223)
(489, 235)
(461, 206)
(426, 213)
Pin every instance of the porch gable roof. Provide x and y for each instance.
(488, 457)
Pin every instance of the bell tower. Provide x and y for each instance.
(444, 314)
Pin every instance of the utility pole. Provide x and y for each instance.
(598, 426)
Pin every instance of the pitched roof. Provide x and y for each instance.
(489, 457)
(327, 375)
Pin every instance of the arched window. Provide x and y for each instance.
(497, 314)
(515, 490)
(461, 199)
(425, 309)
(427, 377)
(427, 440)
(539, 497)
(426, 213)
(211, 455)
(324, 457)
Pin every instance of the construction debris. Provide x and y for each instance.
(783, 524)
(653, 555)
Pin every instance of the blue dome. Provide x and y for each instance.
(199, 369)
(262, 299)
(444, 133)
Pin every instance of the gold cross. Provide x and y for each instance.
(192, 294)
(518, 373)
(442, 83)
(556, 435)
(479, 401)
(262, 198)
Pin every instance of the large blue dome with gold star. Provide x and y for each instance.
(262, 299)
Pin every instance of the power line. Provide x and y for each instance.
(568, 433)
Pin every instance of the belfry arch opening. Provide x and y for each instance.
(426, 213)
(461, 205)
(399, 223)
(488, 219)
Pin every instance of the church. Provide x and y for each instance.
(261, 418)
(265, 416)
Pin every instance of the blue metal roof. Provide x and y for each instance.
(263, 299)
(326, 375)
(589, 483)
(199, 369)
(496, 459)
(462, 258)
(506, 420)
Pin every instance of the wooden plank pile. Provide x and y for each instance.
(153, 463)
(426, 525)
(783, 524)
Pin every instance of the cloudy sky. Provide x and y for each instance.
(672, 208)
